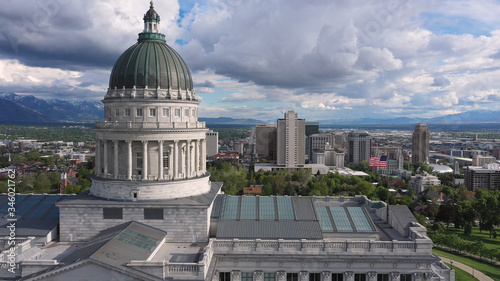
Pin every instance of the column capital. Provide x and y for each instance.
(144, 141)
(128, 141)
(161, 141)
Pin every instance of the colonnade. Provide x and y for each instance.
(180, 154)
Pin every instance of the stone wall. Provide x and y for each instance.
(181, 224)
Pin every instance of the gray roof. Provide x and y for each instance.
(201, 201)
(403, 214)
(30, 227)
(269, 229)
(108, 246)
(304, 209)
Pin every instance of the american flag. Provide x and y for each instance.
(378, 161)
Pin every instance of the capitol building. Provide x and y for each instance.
(152, 212)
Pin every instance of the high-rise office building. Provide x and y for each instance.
(485, 177)
(212, 143)
(420, 143)
(265, 141)
(311, 129)
(291, 140)
(359, 148)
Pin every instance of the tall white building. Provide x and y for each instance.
(153, 214)
(291, 140)
(212, 143)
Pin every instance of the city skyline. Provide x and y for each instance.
(258, 60)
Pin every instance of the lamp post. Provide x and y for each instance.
(451, 262)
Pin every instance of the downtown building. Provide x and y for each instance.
(291, 140)
(420, 144)
(152, 212)
(483, 177)
(359, 146)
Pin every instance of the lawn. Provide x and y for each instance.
(462, 275)
(490, 270)
(489, 243)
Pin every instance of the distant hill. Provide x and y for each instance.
(54, 110)
(480, 116)
(230, 121)
(11, 112)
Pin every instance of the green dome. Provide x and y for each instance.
(151, 63)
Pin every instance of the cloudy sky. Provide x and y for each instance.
(259, 58)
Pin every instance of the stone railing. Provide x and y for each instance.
(21, 245)
(184, 270)
(226, 246)
(149, 125)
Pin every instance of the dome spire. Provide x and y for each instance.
(151, 25)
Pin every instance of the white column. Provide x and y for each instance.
(203, 155)
(171, 161)
(160, 160)
(197, 158)
(144, 160)
(188, 158)
(115, 164)
(98, 157)
(105, 158)
(129, 167)
(176, 162)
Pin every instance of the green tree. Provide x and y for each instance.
(464, 214)
(365, 188)
(42, 183)
(487, 207)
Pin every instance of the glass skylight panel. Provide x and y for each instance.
(285, 208)
(340, 219)
(267, 210)
(359, 219)
(231, 207)
(324, 219)
(44, 206)
(27, 205)
(137, 239)
(54, 213)
(248, 208)
(5, 207)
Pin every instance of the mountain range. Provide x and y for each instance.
(21, 109)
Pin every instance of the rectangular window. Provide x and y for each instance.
(186, 112)
(314, 276)
(112, 213)
(127, 111)
(337, 276)
(166, 112)
(138, 159)
(178, 112)
(269, 276)
(382, 277)
(359, 277)
(405, 277)
(246, 276)
(292, 277)
(153, 214)
(117, 112)
(139, 112)
(152, 112)
(224, 276)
